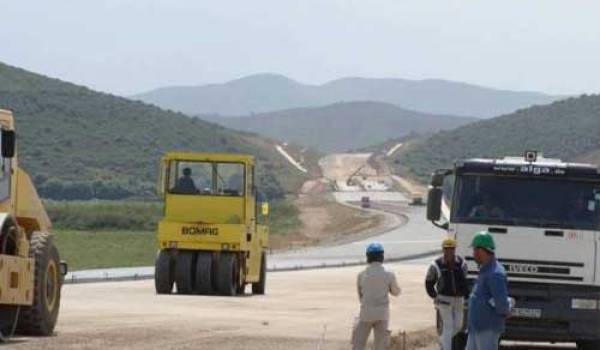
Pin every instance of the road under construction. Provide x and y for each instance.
(310, 302)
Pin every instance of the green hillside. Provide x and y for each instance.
(568, 129)
(341, 126)
(80, 144)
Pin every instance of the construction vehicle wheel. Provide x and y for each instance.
(8, 321)
(227, 276)
(8, 313)
(184, 272)
(40, 318)
(164, 272)
(259, 287)
(204, 273)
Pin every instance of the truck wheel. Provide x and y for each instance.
(588, 345)
(164, 274)
(259, 287)
(40, 317)
(184, 272)
(204, 273)
(227, 277)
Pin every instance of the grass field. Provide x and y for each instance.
(104, 215)
(101, 249)
(103, 234)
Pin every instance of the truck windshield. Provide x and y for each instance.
(534, 202)
(206, 178)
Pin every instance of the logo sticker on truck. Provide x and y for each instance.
(201, 231)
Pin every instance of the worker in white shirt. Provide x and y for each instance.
(374, 285)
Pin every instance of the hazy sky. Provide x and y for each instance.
(127, 46)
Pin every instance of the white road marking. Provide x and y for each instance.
(393, 149)
(290, 159)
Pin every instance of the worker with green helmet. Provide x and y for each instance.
(489, 303)
(446, 284)
(374, 285)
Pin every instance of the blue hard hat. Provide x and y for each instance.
(374, 247)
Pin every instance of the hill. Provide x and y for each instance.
(270, 92)
(567, 129)
(341, 126)
(81, 144)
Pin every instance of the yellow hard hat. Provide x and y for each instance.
(449, 243)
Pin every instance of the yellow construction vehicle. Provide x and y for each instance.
(31, 273)
(209, 240)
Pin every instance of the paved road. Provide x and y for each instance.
(415, 238)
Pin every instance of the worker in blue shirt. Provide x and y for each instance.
(489, 303)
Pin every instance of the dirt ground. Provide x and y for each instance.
(340, 166)
(302, 310)
(324, 219)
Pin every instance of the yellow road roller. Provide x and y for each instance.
(210, 240)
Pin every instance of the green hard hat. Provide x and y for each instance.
(484, 240)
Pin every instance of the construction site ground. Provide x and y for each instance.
(302, 310)
(311, 309)
(306, 309)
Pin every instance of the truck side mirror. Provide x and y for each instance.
(8, 143)
(434, 204)
(438, 177)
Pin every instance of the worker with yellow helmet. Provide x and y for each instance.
(446, 284)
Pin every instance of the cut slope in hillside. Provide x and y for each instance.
(262, 93)
(568, 129)
(80, 144)
(341, 126)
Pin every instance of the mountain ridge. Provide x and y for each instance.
(268, 92)
(341, 126)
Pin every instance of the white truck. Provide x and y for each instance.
(545, 218)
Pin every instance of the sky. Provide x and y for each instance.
(131, 46)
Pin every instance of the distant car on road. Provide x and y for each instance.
(365, 202)
(417, 200)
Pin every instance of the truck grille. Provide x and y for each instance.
(526, 325)
(536, 269)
